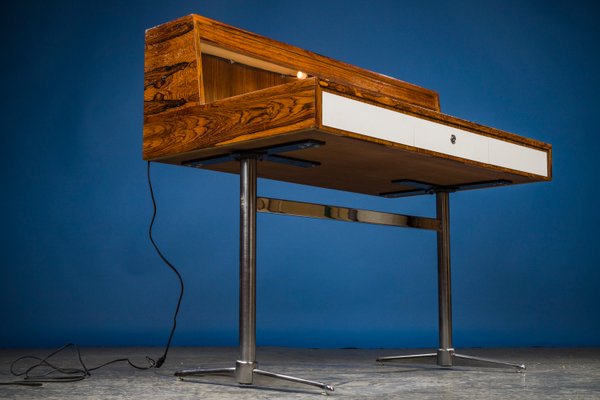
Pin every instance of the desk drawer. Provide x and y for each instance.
(355, 116)
(454, 142)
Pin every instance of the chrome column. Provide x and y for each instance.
(445, 350)
(247, 324)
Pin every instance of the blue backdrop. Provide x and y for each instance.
(76, 264)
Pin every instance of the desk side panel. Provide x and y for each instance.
(273, 111)
(172, 73)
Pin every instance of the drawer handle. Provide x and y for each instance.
(452, 139)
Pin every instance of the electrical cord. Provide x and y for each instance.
(52, 373)
(162, 359)
(40, 370)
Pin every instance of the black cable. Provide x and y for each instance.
(162, 359)
(50, 372)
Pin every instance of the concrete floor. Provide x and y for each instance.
(551, 374)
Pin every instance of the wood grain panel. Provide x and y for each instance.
(172, 74)
(271, 111)
(328, 69)
(224, 79)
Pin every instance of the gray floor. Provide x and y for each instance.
(551, 374)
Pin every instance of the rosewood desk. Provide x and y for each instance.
(224, 99)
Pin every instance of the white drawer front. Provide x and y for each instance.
(355, 116)
(521, 158)
(437, 137)
(378, 122)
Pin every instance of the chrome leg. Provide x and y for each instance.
(407, 357)
(246, 367)
(205, 371)
(445, 353)
(289, 378)
(247, 323)
(445, 350)
(519, 367)
(233, 373)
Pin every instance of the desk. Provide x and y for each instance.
(221, 98)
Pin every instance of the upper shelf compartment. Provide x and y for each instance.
(198, 60)
(226, 74)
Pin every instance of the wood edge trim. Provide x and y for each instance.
(200, 75)
(149, 31)
(550, 170)
(318, 106)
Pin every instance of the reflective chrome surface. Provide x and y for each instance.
(445, 353)
(519, 367)
(289, 378)
(407, 357)
(247, 323)
(206, 371)
(246, 367)
(444, 289)
(313, 210)
(448, 357)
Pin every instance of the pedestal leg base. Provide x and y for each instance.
(244, 373)
(445, 358)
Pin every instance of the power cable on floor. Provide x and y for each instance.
(38, 370)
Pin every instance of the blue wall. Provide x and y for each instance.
(76, 263)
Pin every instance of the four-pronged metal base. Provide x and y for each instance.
(244, 375)
(445, 358)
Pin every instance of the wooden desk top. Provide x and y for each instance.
(211, 89)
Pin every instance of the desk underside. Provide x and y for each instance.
(355, 166)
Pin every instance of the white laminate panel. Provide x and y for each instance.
(355, 116)
(437, 137)
(521, 158)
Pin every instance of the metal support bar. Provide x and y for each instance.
(445, 354)
(246, 366)
(313, 210)
(418, 187)
(270, 153)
